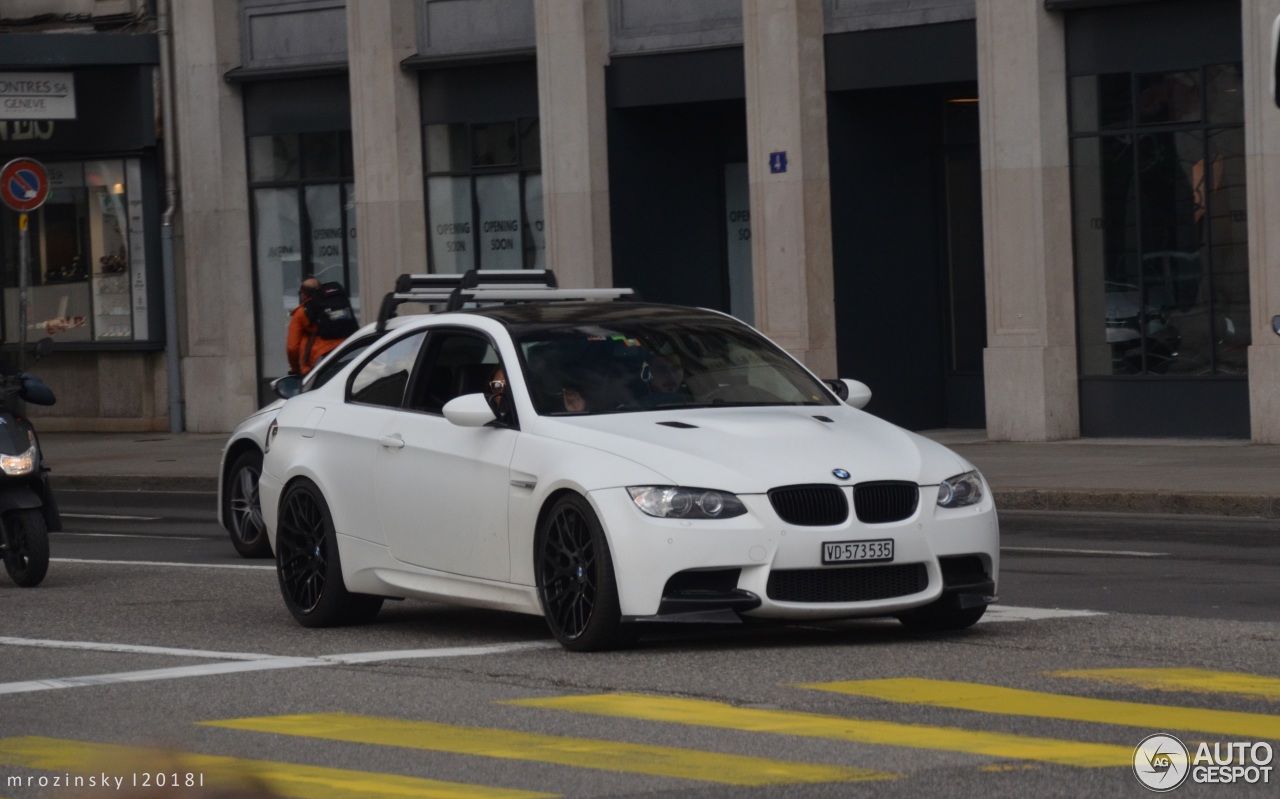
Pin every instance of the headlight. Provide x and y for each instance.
(18, 465)
(678, 502)
(963, 489)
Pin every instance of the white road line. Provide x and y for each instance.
(110, 516)
(163, 563)
(449, 652)
(1121, 552)
(130, 535)
(132, 649)
(1001, 613)
(150, 675)
(240, 661)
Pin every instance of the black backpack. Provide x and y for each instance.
(331, 312)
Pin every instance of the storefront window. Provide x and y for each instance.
(484, 196)
(1160, 226)
(87, 277)
(304, 225)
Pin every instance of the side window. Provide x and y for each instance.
(457, 363)
(335, 363)
(383, 379)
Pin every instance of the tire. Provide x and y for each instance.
(242, 508)
(576, 583)
(26, 546)
(938, 617)
(308, 566)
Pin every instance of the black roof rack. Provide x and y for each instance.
(486, 286)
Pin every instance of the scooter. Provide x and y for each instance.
(27, 509)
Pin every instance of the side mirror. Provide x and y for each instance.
(1275, 324)
(469, 410)
(852, 392)
(287, 386)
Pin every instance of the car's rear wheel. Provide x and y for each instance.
(940, 617)
(243, 510)
(576, 583)
(308, 565)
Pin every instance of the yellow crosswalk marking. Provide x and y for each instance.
(701, 713)
(580, 752)
(73, 760)
(1187, 680)
(1017, 702)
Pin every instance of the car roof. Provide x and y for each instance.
(535, 313)
(527, 297)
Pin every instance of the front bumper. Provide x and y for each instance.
(757, 565)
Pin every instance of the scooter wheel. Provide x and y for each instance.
(26, 546)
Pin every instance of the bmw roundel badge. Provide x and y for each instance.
(840, 473)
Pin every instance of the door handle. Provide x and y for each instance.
(392, 442)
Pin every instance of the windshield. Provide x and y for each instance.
(650, 364)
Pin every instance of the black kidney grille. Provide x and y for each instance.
(847, 584)
(810, 505)
(888, 501)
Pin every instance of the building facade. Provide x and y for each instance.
(1048, 218)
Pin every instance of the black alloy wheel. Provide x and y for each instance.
(243, 510)
(575, 579)
(308, 566)
(25, 546)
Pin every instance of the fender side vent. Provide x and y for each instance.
(681, 425)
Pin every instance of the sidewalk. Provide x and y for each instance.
(1212, 477)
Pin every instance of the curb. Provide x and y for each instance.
(125, 483)
(1155, 502)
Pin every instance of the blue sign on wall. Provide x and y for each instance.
(778, 161)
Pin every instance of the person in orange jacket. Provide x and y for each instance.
(304, 345)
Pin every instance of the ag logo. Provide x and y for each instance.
(1161, 762)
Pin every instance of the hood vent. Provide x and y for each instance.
(810, 505)
(680, 425)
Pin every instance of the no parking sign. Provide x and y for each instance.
(24, 184)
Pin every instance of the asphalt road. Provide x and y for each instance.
(151, 631)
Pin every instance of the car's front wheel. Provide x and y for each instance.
(243, 510)
(308, 566)
(576, 583)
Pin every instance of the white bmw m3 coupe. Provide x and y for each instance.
(607, 463)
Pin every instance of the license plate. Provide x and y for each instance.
(857, 551)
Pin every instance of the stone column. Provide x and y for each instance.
(1262, 166)
(215, 269)
(573, 49)
(386, 139)
(791, 200)
(1030, 361)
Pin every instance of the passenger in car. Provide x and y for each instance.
(496, 388)
(664, 377)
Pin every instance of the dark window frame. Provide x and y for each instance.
(524, 168)
(1133, 130)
